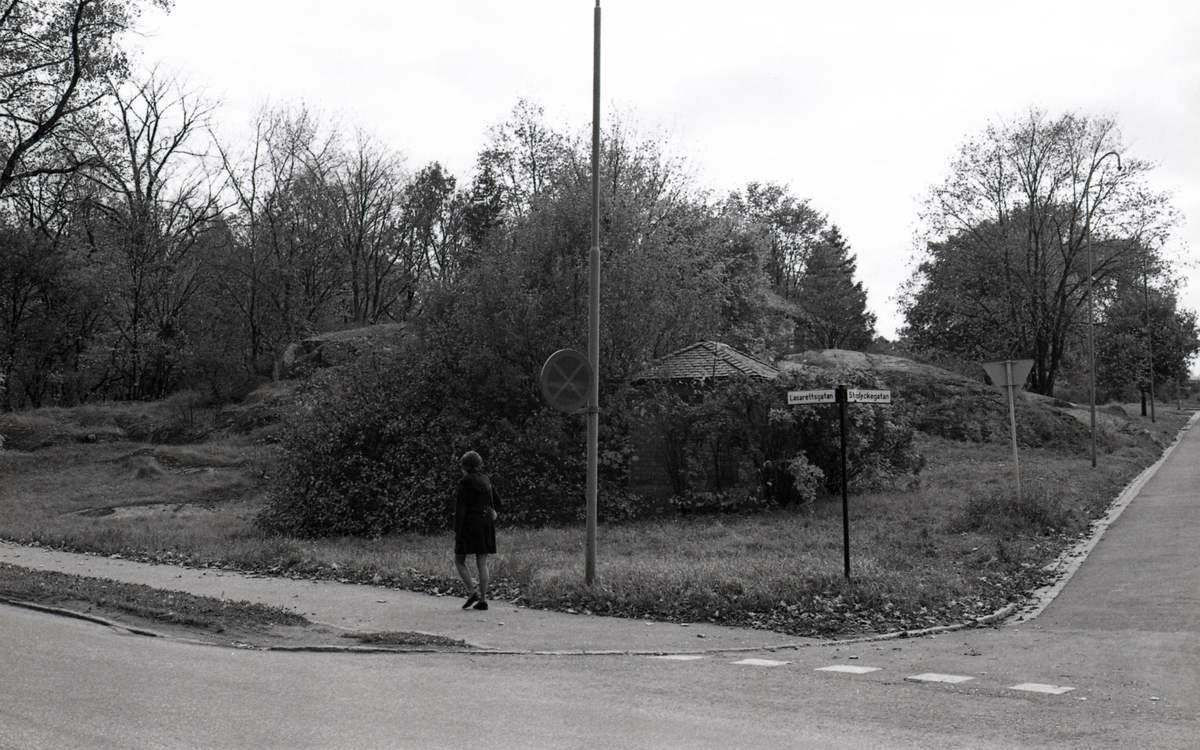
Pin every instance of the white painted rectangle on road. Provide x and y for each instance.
(953, 679)
(762, 662)
(847, 668)
(1035, 687)
(823, 396)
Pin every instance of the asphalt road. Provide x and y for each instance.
(1112, 661)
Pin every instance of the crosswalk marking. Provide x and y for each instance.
(953, 679)
(1036, 687)
(847, 668)
(935, 677)
(762, 662)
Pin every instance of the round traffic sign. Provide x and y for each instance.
(566, 380)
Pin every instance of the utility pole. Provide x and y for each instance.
(593, 411)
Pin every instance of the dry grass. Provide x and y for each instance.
(175, 607)
(960, 546)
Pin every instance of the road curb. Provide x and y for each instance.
(80, 616)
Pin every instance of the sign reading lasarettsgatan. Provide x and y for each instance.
(823, 396)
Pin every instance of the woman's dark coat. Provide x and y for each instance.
(474, 529)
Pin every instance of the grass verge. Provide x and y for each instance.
(105, 596)
(960, 546)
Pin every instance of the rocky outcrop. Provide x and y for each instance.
(302, 358)
(948, 405)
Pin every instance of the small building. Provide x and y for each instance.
(654, 470)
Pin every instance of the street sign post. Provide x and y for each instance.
(1010, 374)
(841, 396)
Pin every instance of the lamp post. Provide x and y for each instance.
(1087, 236)
(1149, 333)
(593, 408)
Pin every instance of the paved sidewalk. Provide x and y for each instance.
(503, 628)
(1143, 574)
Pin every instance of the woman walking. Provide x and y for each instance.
(476, 503)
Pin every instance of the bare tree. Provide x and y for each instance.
(285, 273)
(152, 207)
(55, 59)
(368, 193)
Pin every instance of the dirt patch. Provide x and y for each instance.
(151, 510)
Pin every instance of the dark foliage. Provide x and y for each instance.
(787, 451)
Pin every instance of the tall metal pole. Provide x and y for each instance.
(593, 418)
(1149, 334)
(1087, 235)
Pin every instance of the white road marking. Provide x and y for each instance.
(679, 657)
(1035, 687)
(762, 662)
(847, 668)
(935, 677)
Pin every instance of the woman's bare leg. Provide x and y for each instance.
(481, 562)
(460, 564)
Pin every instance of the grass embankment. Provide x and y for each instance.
(175, 607)
(958, 547)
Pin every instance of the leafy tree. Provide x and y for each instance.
(1007, 238)
(833, 306)
(1138, 325)
(808, 269)
(49, 310)
(788, 229)
(56, 59)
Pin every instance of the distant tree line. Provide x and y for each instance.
(141, 254)
(1035, 211)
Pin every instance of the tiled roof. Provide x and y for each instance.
(706, 359)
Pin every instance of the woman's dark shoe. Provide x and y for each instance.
(481, 604)
(474, 597)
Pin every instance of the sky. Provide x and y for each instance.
(859, 106)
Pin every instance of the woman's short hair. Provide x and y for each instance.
(471, 461)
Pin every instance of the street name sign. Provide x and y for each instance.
(861, 396)
(824, 396)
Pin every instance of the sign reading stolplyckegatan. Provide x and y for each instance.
(860, 396)
(824, 396)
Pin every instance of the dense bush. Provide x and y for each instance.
(791, 451)
(375, 446)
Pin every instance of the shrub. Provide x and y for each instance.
(806, 478)
(791, 451)
(998, 510)
(374, 448)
